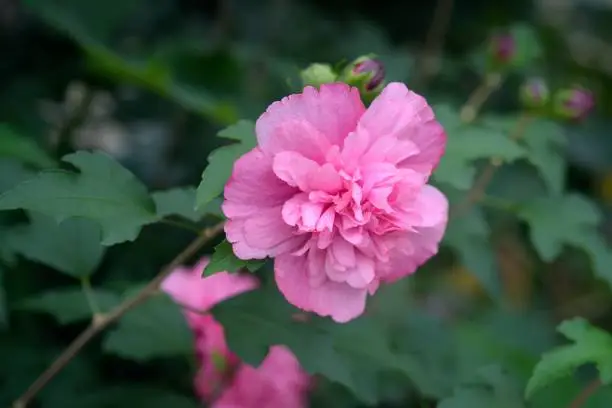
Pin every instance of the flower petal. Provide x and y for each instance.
(412, 249)
(406, 115)
(262, 234)
(294, 169)
(253, 186)
(337, 300)
(310, 122)
(432, 205)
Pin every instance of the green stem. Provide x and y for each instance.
(472, 107)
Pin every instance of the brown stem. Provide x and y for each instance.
(584, 395)
(435, 39)
(104, 320)
(482, 182)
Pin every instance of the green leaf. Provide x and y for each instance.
(469, 235)
(155, 76)
(12, 173)
(545, 143)
(593, 243)
(69, 305)
(24, 149)
(72, 246)
(557, 221)
(468, 143)
(256, 320)
(241, 131)
(221, 161)
(92, 25)
(180, 202)
(84, 20)
(153, 330)
(223, 259)
(103, 191)
(590, 345)
(124, 396)
(491, 387)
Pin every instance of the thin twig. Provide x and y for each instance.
(435, 39)
(105, 320)
(484, 179)
(470, 110)
(584, 395)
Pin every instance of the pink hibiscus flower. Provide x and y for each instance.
(338, 195)
(222, 379)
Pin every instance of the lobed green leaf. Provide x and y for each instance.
(103, 191)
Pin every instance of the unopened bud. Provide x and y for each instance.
(502, 48)
(318, 74)
(374, 71)
(367, 74)
(534, 93)
(574, 103)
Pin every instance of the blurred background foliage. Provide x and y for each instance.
(152, 82)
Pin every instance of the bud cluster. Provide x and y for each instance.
(366, 73)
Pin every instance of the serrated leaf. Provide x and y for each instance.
(221, 162)
(103, 191)
(124, 396)
(261, 318)
(15, 146)
(468, 143)
(223, 259)
(153, 330)
(72, 246)
(181, 202)
(567, 389)
(469, 236)
(545, 142)
(70, 305)
(557, 221)
(593, 243)
(491, 387)
(590, 345)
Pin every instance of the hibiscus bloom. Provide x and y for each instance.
(223, 380)
(338, 195)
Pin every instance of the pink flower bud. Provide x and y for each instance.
(574, 103)
(534, 93)
(375, 70)
(503, 48)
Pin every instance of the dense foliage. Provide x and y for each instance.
(120, 125)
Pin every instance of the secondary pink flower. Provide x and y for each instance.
(338, 195)
(277, 383)
(222, 379)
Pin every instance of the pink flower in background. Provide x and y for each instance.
(222, 379)
(338, 195)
